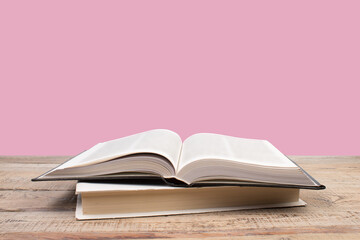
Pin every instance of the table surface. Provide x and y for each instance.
(31, 210)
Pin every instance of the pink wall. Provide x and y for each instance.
(77, 73)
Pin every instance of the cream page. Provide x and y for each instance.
(158, 141)
(249, 151)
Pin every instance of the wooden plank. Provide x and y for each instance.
(31, 210)
(27, 201)
(34, 159)
(17, 176)
(299, 221)
(310, 234)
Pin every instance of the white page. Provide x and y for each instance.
(79, 215)
(159, 141)
(248, 151)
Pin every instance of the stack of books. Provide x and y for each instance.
(155, 173)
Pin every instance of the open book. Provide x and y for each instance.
(202, 159)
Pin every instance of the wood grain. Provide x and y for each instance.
(33, 210)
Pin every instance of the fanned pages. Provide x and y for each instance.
(203, 159)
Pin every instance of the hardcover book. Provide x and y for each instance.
(203, 159)
(112, 200)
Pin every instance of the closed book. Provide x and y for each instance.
(113, 200)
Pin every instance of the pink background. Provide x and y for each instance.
(75, 73)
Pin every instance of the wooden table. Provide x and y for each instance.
(31, 210)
